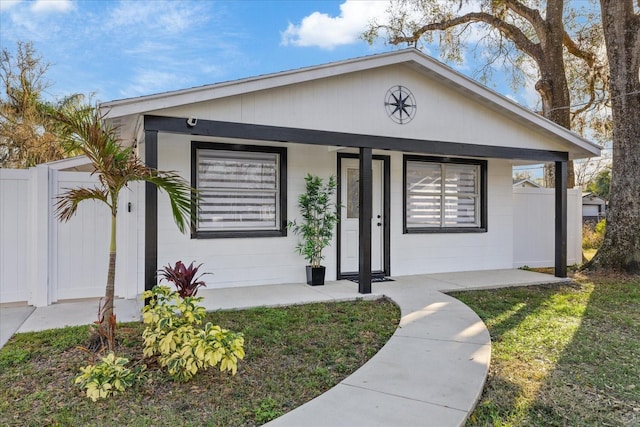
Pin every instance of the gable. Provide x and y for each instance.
(349, 98)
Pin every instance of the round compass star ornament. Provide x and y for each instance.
(400, 104)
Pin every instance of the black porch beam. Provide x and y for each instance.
(150, 212)
(365, 199)
(234, 130)
(561, 219)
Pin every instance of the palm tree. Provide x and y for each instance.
(116, 166)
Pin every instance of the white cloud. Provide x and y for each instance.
(327, 32)
(151, 81)
(8, 4)
(171, 17)
(46, 6)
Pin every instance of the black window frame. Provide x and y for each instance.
(282, 194)
(482, 228)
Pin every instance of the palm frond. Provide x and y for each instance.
(67, 203)
(181, 196)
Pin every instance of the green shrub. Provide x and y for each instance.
(109, 377)
(592, 236)
(174, 335)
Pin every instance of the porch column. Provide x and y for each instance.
(561, 219)
(365, 196)
(150, 212)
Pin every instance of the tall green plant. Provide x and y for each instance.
(116, 167)
(319, 218)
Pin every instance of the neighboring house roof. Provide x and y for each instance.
(126, 112)
(75, 164)
(526, 183)
(592, 199)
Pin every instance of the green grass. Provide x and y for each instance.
(564, 355)
(293, 354)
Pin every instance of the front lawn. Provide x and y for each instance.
(563, 355)
(292, 355)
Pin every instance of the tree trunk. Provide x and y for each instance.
(107, 309)
(552, 86)
(620, 250)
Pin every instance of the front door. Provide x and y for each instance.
(349, 218)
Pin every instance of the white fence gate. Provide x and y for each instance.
(43, 260)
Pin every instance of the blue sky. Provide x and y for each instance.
(123, 49)
(126, 49)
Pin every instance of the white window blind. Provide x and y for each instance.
(239, 190)
(442, 195)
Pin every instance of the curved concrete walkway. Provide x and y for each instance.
(430, 373)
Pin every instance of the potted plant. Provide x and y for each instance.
(319, 218)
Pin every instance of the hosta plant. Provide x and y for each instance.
(109, 377)
(184, 278)
(173, 334)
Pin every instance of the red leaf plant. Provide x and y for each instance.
(184, 278)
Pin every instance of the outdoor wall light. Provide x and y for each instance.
(192, 121)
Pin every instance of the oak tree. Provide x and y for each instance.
(556, 44)
(620, 250)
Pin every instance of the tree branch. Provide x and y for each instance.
(512, 32)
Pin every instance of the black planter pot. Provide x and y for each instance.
(315, 275)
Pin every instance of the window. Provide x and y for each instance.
(242, 189)
(444, 195)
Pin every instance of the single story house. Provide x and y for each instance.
(526, 183)
(422, 154)
(594, 208)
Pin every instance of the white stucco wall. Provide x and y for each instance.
(254, 261)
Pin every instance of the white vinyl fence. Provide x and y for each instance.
(42, 260)
(533, 227)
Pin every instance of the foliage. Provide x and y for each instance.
(184, 278)
(593, 235)
(116, 167)
(267, 411)
(172, 334)
(319, 218)
(600, 184)
(109, 377)
(28, 135)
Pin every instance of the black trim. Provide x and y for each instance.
(561, 219)
(318, 137)
(281, 151)
(386, 164)
(483, 228)
(364, 222)
(150, 213)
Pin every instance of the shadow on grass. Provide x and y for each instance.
(596, 380)
(563, 355)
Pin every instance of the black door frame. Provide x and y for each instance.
(386, 225)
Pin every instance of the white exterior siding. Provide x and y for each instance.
(266, 260)
(444, 252)
(354, 103)
(242, 261)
